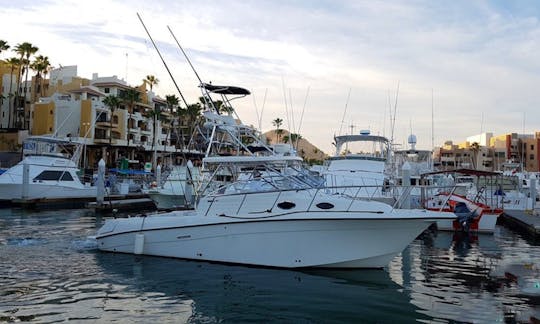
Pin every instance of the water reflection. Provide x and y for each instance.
(454, 277)
(50, 272)
(218, 292)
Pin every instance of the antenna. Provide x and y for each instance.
(285, 98)
(262, 109)
(162, 60)
(302, 117)
(432, 125)
(344, 111)
(259, 117)
(126, 66)
(394, 116)
(482, 123)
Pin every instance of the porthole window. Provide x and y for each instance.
(286, 205)
(325, 205)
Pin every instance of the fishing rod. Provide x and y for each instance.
(344, 112)
(162, 60)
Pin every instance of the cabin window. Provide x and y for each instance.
(325, 205)
(286, 205)
(54, 176)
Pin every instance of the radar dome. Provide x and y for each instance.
(412, 141)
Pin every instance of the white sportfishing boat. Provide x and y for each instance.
(51, 172)
(277, 218)
(360, 160)
(272, 213)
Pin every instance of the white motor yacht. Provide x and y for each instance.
(52, 172)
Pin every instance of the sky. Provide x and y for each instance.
(443, 70)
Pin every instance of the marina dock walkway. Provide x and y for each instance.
(523, 221)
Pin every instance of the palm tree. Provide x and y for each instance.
(130, 97)
(278, 122)
(13, 63)
(151, 80)
(172, 102)
(41, 65)
(217, 104)
(192, 114)
(3, 46)
(113, 102)
(25, 50)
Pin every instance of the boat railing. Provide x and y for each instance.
(404, 197)
(243, 191)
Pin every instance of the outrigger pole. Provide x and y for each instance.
(207, 98)
(162, 60)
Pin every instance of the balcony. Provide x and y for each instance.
(104, 141)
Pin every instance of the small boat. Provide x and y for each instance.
(52, 172)
(471, 194)
(171, 193)
(471, 215)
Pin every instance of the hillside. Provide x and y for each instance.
(305, 149)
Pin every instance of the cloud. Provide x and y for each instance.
(479, 58)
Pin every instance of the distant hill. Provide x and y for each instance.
(305, 149)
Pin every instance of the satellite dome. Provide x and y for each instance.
(412, 141)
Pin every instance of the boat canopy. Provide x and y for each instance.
(251, 159)
(226, 90)
(468, 172)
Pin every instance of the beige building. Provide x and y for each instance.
(491, 153)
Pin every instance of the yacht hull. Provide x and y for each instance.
(335, 241)
(10, 191)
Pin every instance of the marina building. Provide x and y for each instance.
(65, 105)
(486, 152)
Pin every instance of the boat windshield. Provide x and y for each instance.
(269, 180)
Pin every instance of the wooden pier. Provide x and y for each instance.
(524, 221)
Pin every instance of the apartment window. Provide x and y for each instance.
(532, 147)
(107, 90)
(531, 157)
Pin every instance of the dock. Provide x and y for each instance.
(132, 201)
(524, 221)
(129, 203)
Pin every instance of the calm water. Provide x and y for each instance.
(50, 272)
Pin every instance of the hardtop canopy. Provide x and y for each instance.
(225, 90)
